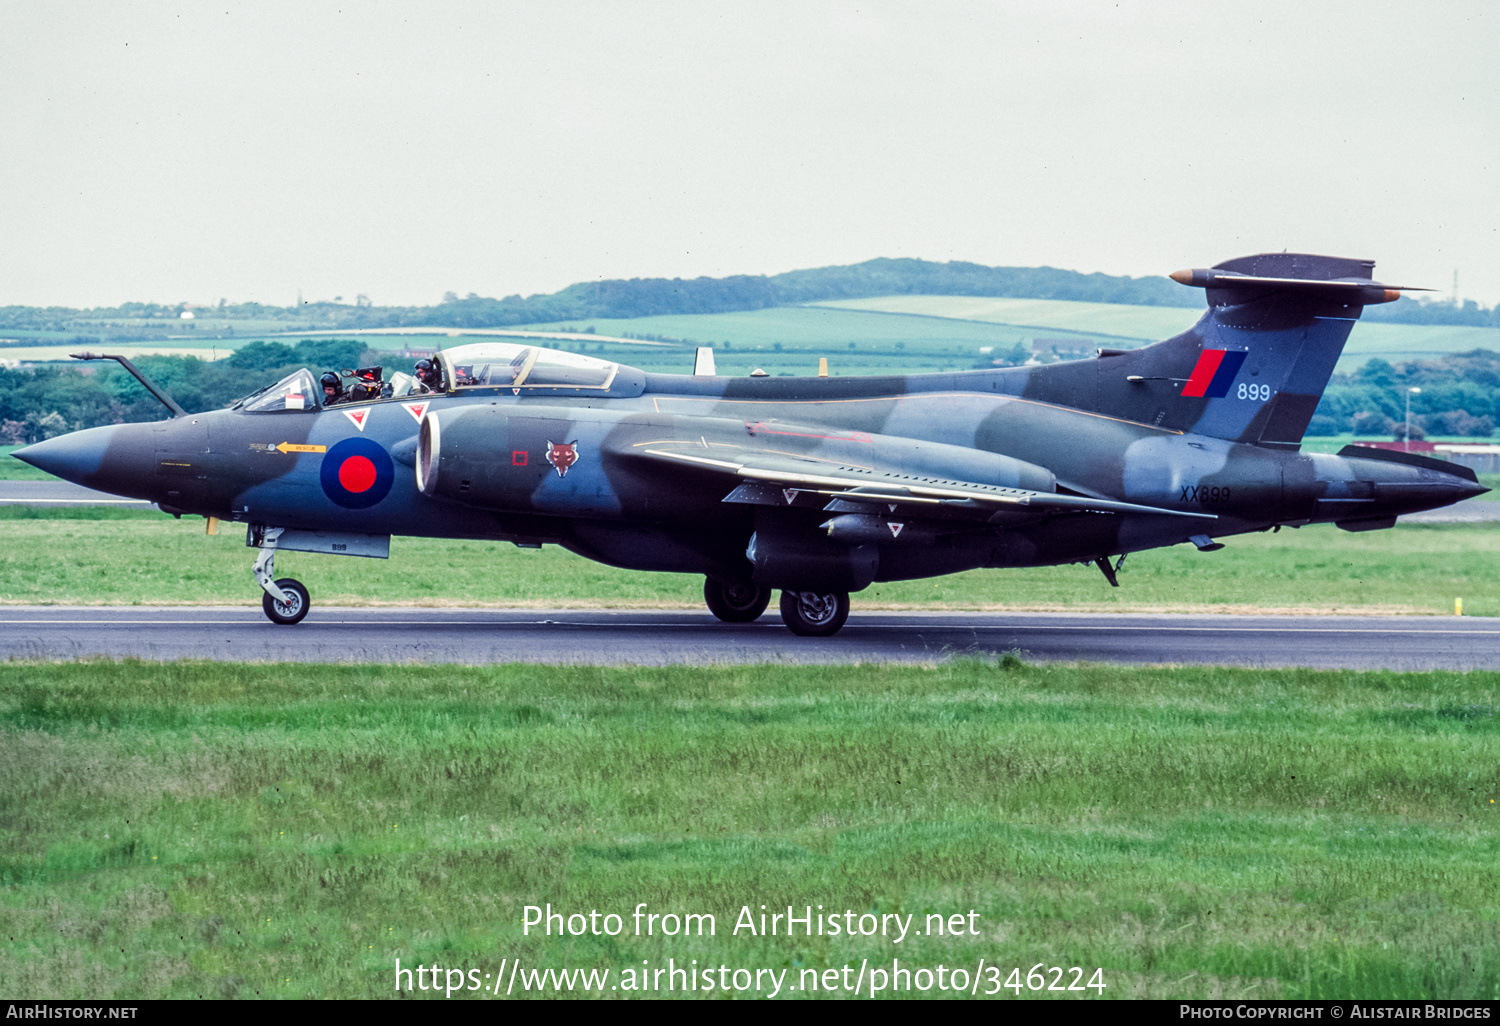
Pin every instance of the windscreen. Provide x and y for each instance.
(297, 391)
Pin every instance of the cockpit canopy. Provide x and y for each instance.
(507, 365)
(496, 365)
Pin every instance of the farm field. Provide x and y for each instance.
(201, 325)
(855, 342)
(222, 830)
(1145, 323)
(222, 348)
(1391, 342)
(63, 353)
(1397, 342)
(136, 557)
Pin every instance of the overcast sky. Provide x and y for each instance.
(171, 152)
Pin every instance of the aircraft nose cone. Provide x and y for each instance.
(72, 457)
(1470, 489)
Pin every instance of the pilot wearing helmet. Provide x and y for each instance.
(333, 389)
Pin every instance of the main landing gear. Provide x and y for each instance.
(736, 602)
(811, 614)
(285, 601)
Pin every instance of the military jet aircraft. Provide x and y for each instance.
(814, 486)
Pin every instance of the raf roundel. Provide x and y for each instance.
(357, 473)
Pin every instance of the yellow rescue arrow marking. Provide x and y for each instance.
(291, 447)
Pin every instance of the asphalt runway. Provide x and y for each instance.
(61, 493)
(638, 637)
(1469, 511)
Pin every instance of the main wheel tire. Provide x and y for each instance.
(735, 603)
(814, 614)
(293, 609)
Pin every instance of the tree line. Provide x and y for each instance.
(1460, 395)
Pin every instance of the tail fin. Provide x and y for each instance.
(1252, 369)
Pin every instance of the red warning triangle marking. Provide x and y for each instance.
(417, 410)
(358, 417)
(791, 494)
(895, 528)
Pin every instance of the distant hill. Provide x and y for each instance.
(651, 297)
(646, 297)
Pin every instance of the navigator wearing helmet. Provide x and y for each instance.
(429, 376)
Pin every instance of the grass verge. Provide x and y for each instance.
(135, 557)
(185, 829)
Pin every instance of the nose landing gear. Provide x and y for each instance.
(291, 608)
(286, 601)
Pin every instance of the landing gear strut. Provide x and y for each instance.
(285, 601)
(736, 602)
(814, 614)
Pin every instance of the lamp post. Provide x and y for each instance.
(1409, 393)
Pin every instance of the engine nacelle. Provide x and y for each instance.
(527, 460)
(457, 455)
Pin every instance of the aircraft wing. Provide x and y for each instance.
(861, 484)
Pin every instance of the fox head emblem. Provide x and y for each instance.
(562, 455)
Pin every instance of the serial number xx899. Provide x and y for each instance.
(1204, 493)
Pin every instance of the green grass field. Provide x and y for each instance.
(218, 829)
(139, 557)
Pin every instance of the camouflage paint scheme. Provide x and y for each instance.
(831, 483)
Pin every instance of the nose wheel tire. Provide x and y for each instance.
(293, 609)
(814, 614)
(735, 603)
